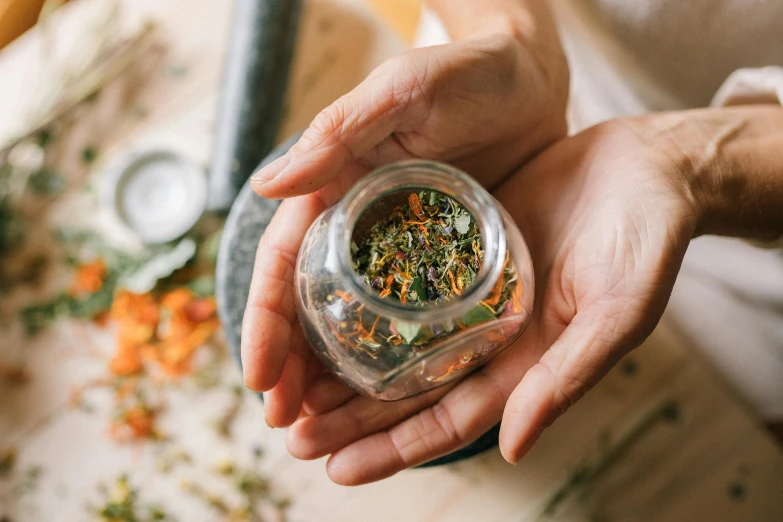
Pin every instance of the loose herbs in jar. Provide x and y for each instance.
(413, 280)
(426, 251)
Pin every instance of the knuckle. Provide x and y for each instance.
(444, 425)
(569, 390)
(412, 77)
(566, 390)
(325, 128)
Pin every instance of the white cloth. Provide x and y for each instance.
(632, 57)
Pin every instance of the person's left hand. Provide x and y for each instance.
(607, 215)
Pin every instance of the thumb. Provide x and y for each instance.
(347, 130)
(579, 358)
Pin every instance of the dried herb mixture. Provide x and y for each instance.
(427, 250)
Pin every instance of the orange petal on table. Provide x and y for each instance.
(127, 388)
(136, 422)
(89, 277)
(132, 332)
(178, 368)
(175, 356)
(177, 299)
(135, 308)
(102, 319)
(127, 360)
(149, 352)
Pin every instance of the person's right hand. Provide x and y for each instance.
(485, 105)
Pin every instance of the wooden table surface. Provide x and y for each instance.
(707, 459)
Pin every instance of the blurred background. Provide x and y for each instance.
(120, 400)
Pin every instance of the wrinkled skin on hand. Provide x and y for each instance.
(485, 105)
(606, 213)
(608, 217)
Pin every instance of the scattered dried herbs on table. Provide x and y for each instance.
(7, 462)
(611, 450)
(224, 424)
(120, 504)
(258, 500)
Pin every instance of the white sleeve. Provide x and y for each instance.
(752, 86)
(749, 86)
(431, 30)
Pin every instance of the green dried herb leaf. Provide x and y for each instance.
(46, 182)
(462, 224)
(44, 138)
(408, 331)
(211, 246)
(88, 155)
(175, 70)
(203, 286)
(418, 289)
(6, 170)
(479, 314)
(11, 227)
(7, 461)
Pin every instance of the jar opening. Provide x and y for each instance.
(401, 184)
(417, 246)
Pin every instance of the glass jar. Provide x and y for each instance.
(387, 350)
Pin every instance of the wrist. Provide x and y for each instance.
(730, 164)
(465, 19)
(529, 22)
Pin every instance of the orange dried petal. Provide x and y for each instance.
(344, 296)
(177, 299)
(127, 360)
(89, 277)
(140, 421)
(201, 310)
(415, 205)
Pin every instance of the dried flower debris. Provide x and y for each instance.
(429, 249)
(7, 462)
(258, 501)
(120, 504)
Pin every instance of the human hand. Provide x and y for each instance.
(608, 215)
(485, 104)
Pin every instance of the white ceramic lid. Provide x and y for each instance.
(158, 194)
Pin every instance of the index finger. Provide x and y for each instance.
(271, 312)
(352, 126)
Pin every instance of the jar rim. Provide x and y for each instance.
(428, 175)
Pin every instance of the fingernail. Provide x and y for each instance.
(267, 423)
(269, 172)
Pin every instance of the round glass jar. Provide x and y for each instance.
(388, 350)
